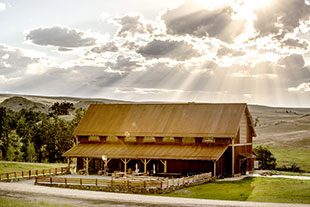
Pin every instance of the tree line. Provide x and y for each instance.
(33, 136)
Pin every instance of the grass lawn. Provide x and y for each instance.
(286, 156)
(10, 202)
(6, 166)
(277, 190)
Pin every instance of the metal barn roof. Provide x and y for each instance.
(163, 120)
(147, 151)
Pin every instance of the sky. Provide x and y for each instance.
(181, 51)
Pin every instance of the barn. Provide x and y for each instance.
(165, 139)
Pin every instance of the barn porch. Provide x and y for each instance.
(151, 159)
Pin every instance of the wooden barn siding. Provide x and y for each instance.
(223, 165)
(241, 149)
(222, 141)
(243, 129)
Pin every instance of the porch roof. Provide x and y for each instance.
(147, 151)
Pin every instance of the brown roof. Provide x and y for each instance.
(147, 151)
(163, 120)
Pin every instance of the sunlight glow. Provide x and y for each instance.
(257, 4)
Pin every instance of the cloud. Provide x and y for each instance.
(15, 58)
(2, 6)
(178, 50)
(124, 64)
(294, 61)
(193, 19)
(60, 36)
(145, 91)
(132, 24)
(225, 51)
(303, 87)
(107, 47)
(281, 16)
(295, 43)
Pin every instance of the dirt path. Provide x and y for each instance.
(92, 198)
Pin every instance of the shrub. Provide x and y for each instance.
(266, 159)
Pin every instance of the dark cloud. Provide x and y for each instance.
(295, 43)
(178, 50)
(281, 16)
(225, 51)
(60, 36)
(123, 63)
(108, 47)
(132, 24)
(192, 19)
(294, 61)
(64, 49)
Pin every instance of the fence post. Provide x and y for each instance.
(161, 184)
(36, 172)
(112, 182)
(7, 175)
(51, 180)
(144, 184)
(29, 173)
(43, 172)
(66, 181)
(96, 181)
(15, 174)
(81, 181)
(36, 181)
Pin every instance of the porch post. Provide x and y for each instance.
(233, 157)
(165, 165)
(69, 162)
(145, 162)
(86, 160)
(125, 161)
(106, 165)
(214, 168)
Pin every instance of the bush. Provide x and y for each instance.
(293, 168)
(266, 159)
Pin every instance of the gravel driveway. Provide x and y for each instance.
(95, 198)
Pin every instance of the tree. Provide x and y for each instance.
(31, 153)
(5, 142)
(266, 159)
(61, 108)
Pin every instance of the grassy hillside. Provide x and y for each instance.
(6, 166)
(286, 131)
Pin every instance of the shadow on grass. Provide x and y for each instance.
(218, 190)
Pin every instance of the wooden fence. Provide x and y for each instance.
(32, 173)
(159, 183)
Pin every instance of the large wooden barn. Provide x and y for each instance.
(165, 139)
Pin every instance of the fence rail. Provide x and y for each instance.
(32, 173)
(127, 182)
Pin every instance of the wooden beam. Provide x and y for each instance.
(125, 161)
(145, 162)
(214, 168)
(233, 157)
(105, 166)
(86, 162)
(69, 162)
(165, 165)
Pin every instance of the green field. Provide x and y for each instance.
(10, 202)
(287, 156)
(276, 190)
(6, 166)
